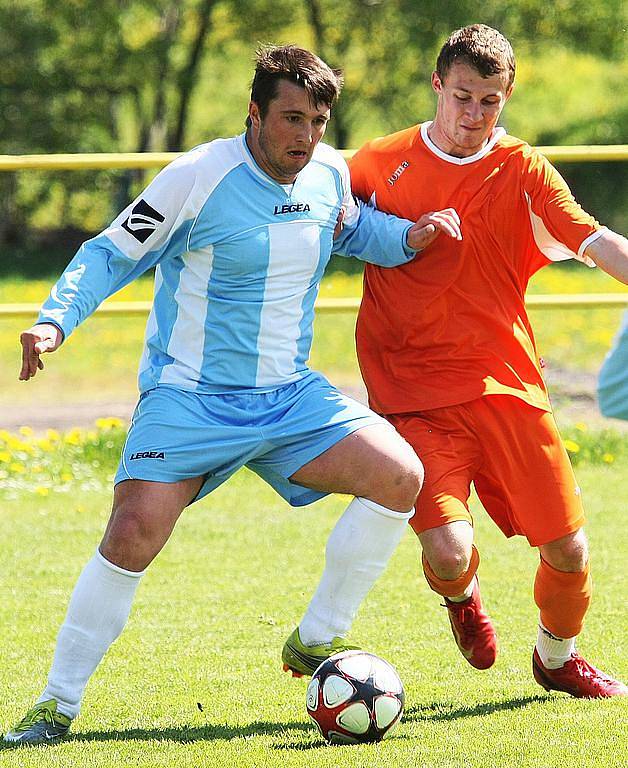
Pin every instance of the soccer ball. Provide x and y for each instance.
(355, 697)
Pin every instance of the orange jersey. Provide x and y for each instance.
(451, 325)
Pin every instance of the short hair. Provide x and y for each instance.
(482, 47)
(296, 65)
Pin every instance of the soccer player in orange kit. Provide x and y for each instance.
(448, 356)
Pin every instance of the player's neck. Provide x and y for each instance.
(449, 145)
(265, 164)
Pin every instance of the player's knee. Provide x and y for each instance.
(127, 538)
(448, 564)
(569, 553)
(405, 483)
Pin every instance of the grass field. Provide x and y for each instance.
(214, 609)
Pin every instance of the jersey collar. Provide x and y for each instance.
(497, 134)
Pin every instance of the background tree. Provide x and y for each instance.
(124, 75)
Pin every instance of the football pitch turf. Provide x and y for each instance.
(196, 680)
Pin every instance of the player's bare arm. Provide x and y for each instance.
(610, 253)
(429, 226)
(41, 338)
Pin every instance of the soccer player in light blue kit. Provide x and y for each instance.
(612, 385)
(240, 231)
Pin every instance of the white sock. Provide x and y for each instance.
(554, 651)
(358, 550)
(98, 610)
(466, 594)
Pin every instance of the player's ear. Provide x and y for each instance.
(254, 114)
(437, 83)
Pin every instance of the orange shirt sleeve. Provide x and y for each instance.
(561, 227)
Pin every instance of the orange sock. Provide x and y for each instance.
(563, 598)
(452, 587)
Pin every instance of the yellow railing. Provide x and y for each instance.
(540, 301)
(578, 154)
(573, 154)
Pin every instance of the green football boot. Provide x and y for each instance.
(304, 659)
(41, 725)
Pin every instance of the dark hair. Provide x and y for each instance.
(482, 47)
(297, 65)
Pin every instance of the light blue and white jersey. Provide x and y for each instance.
(238, 258)
(612, 386)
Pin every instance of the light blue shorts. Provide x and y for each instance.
(176, 434)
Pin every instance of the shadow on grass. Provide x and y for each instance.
(437, 711)
(182, 734)
(209, 732)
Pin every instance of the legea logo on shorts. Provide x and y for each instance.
(147, 455)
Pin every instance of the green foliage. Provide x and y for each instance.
(106, 75)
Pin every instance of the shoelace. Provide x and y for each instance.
(35, 715)
(343, 647)
(586, 670)
(463, 614)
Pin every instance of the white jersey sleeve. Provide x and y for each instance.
(152, 228)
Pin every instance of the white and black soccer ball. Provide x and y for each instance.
(355, 697)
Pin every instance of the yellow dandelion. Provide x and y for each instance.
(15, 444)
(45, 444)
(53, 435)
(109, 422)
(581, 426)
(571, 446)
(18, 468)
(26, 431)
(42, 490)
(5, 457)
(4, 435)
(73, 437)
(608, 458)
(66, 477)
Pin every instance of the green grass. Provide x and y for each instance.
(214, 609)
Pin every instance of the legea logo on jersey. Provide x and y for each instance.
(397, 173)
(143, 221)
(147, 455)
(291, 208)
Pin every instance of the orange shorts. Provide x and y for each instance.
(512, 453)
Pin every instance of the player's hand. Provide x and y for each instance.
(430, 225)
(43, 337)
(339, 223)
